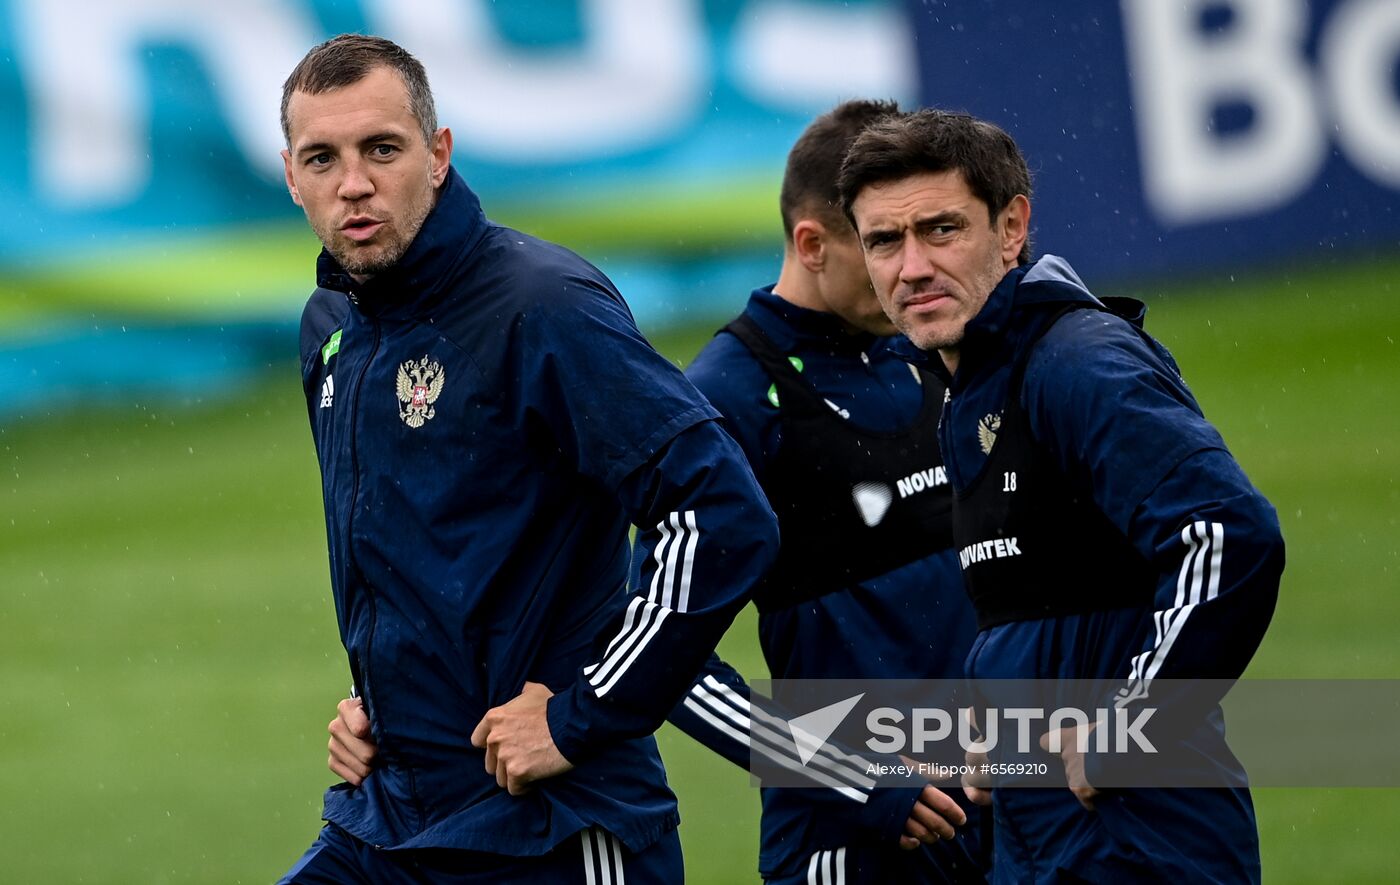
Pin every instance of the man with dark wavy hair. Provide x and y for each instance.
(1105, 532)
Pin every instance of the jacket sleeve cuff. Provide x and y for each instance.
(887, 810)
(569, 727)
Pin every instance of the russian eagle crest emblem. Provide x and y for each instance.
(987, 432)
(419, 385)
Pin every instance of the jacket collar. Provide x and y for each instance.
(449, 233)
(1010, 314)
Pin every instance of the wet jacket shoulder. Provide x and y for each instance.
(1108, 402)
(1108, 406)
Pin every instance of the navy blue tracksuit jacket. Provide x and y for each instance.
(1109, 405)
(488, 421)
(912, 622)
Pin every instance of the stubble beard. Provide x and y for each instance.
(942, 336)
(928, 339)
(930, 336)
(376, 258)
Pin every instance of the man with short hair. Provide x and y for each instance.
(1141, 551)
(488, 420)
(867, 584)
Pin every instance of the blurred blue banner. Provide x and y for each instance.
(141, 119)
(146, 205)
(146, 190)
(1175, 136)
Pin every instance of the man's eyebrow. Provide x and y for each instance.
(944, 217)
(879, 230)
(317, 147)
(382, 136)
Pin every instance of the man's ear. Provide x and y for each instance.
(441, 150)
(1014, 227)
(809, 244)
(291, 183)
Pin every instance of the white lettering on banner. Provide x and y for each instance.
(81, 63)
(1179, 74)
(640, 73)
(1359, 52)
(777, 41)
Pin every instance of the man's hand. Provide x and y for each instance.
(933, 817)
(352, 748)
(519, 747)
(1074, 762)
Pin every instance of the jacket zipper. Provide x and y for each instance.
(365, 693)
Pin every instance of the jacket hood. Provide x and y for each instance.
(1048, 280)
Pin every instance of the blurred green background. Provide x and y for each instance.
(168, 653)
(170, 658)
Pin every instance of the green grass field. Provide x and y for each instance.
(170, 658)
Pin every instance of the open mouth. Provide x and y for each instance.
(361, 229)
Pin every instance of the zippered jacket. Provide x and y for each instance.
(488, 422)
(1109, 415)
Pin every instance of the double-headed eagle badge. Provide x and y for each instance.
(419, 385)
(987, 431)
